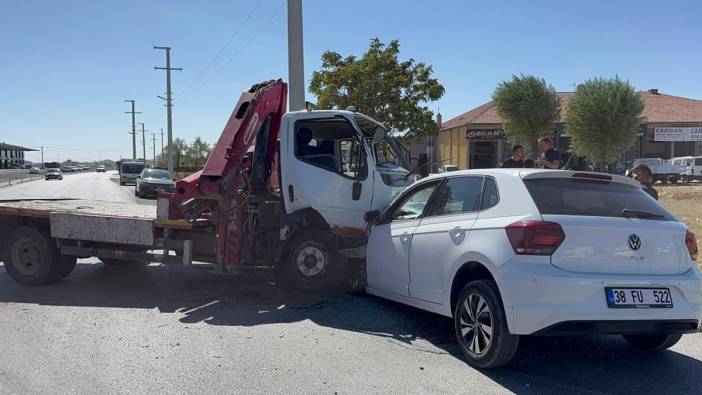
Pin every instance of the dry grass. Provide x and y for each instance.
(685, 201)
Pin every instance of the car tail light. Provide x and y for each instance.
(691, 242)
(535, 237)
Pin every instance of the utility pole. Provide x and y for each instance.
(42, 156)
(143, 140)
(169, 103)
(161, 144)
(296, 64)
(133, 132)
(153, 138)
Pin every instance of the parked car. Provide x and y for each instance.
(520, 252)
(34, 170)
(447, 168)
(53, 174)
(151, 181)
(67, 169)
(100, 169)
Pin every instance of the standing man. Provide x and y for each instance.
(550, 158)
(517, 158)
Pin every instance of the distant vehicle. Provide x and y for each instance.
(129, 171)
(15, 166)
(52, 165)
(151, 181)
(67, 169)
(662, 170)
(693, 170)
(100, 169)
(26, 166)
(447, 168)
(53, 174)
(34, 170)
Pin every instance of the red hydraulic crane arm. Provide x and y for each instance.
(261, 106)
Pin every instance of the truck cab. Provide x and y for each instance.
(289, 190)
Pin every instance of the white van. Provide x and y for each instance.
(693, 170)
(129, 171)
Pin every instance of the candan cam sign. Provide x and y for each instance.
(677, 134)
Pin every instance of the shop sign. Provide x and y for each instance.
(677, 134)
(485, 134)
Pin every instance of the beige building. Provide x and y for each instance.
(476, 139)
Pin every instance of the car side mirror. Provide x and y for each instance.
(372, 217)
(356, 190)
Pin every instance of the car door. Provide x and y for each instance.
(438, 238)
(387, 256)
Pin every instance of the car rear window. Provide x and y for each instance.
(564, 196)
(132, 168)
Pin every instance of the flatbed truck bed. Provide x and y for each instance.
(62, 230)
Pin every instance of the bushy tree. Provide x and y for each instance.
(529, 108)
(381, 86)
(603, 118)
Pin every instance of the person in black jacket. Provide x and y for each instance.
(517, 158)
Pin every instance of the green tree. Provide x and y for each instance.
(381, 86)
(529, 107)
(196, 153)
(603, 118)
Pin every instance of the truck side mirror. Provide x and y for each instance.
(372, 217)
(356, 190)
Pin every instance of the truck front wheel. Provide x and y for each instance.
(310, 264)
(32, 258)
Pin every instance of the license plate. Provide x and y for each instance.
(638, 298)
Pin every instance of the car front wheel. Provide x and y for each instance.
(653, 342)
(481, 326)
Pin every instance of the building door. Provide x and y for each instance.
(483, 154)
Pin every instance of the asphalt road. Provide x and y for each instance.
(83, 185)
(145, 329)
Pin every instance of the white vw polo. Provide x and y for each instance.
(513, 252)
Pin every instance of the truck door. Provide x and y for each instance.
(324, 166)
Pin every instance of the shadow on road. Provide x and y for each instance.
(599, 364)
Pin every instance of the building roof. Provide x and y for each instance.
(659, 108)
(15, 147)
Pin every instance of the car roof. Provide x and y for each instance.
(527, 174)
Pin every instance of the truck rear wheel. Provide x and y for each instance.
(32, 258)
(310, 263)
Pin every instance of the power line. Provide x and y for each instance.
(236, 33)
(235, 54)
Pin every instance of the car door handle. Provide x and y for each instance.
(457, 231)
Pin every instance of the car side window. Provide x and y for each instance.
(412, 205)
(491, 195)
(458, 195)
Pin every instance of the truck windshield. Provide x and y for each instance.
(132, 168)
(386, 150)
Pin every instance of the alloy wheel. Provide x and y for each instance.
(476, 324)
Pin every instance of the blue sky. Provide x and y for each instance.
(66, 66)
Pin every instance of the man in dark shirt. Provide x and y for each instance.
(550, 158)
(643, 174)
(517, 159)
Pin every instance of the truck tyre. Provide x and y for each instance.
(673, 180)
(32, 258)
(685, 179)
(481, 326)
(309, 263)
(653, 342)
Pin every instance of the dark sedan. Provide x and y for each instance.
(151, 181)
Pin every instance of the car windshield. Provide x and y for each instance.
(564, 196)
(158, 174)
(52, 170)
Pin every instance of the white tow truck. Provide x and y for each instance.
(287, 191)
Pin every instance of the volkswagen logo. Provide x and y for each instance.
(634, 242)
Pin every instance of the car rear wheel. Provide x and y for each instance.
(32, 258)
(481, 326)
(653, 342)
